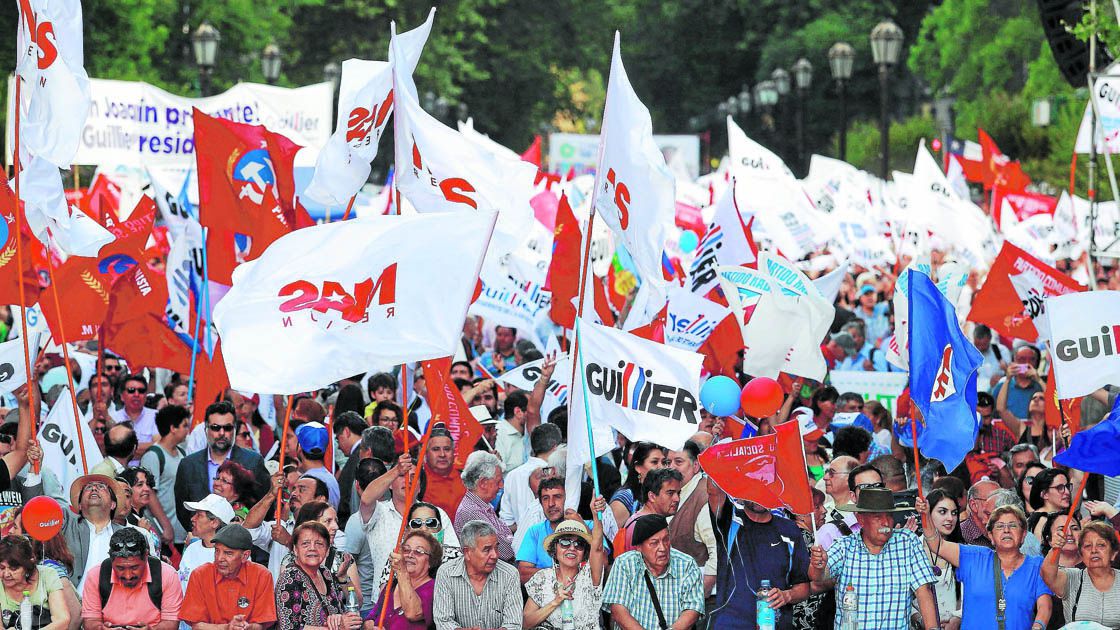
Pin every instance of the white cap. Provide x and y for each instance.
(214, 504)
(483, 415)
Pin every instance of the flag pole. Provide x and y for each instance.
(197, 322)
(404, 405)
(349, 207)
(813, 514)
(27, 358)
(69, 370)
(587, 411)
(1074, 503)
(917, 462)
(283, 451)
(584, 270)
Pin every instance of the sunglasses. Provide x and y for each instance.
(124, 545)
(134, 390)
(571, 542)
(112, 368)
(869, 486)
(430, 523)
(1029, 479)
(219, 428)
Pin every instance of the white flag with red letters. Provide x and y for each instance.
(332, 300)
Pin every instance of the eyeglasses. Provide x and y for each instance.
(112, 368)
(870, 486)
(95, 484)
(835, 473)
(414, 551)
(1007, 527)
(430, 523)
(134, 390)
(218, 428)
(312, 543)
(245, 434)
(1068, 487)
(571, 542)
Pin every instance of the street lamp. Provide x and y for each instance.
(886, 46)
(840, 58)
(803, 77)
(270, 63)
(766, 97)
(745, 100)
(205, 43)
(781, 81)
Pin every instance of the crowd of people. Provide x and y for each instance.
(363, 515)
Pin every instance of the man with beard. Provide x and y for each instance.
(195, 478)
(272, 536)
(130, 589)
(754, 545)
(886, 567)
(230, 592)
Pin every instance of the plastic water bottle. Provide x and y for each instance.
(764, 614)
(849, 609)
(567, 615)
(26, 622)
(351, 600)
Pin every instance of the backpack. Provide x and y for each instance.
(158, 450)
(155, 585)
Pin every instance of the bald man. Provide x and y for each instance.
(836, 482)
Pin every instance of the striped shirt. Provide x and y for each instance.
(1093, 605)
(455, 604)
(884, 582)
(472, 508)
(678, 589)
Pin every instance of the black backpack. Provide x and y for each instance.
(155, 586)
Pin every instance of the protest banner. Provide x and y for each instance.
(138, 124)
(881, 387)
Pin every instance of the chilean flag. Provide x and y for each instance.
(943, 364)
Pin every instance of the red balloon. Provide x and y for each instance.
(42, 518)
(761, 397)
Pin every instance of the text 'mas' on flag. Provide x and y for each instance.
(768, 470)
(943, 364)
(1084, 341)
(334, 299)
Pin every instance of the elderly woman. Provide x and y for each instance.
(1000, 584)
(1050, 492)
(1098, 599)
(338, 563)
(575, 576)
(306, 594)
(482, 477)
(19, 574)
(235, 483)
(410, 604)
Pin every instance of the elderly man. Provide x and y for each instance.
(886, 566)
(859, 478)
(653, 572)
(274, 537)
(130, 589)
(477, 591)
(120, 447)
(230, 593)
(482, 476)
(195, 478)
(974, 528)
(836, 481)
(210, 515)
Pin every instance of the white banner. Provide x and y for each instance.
(1106, 95)
(13, 363)
(1085, 341)
(59, 442)
(335, 299)
(690, 319)
(137, 124)
(525, 377)
(881, 387)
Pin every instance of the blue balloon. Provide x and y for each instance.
(720, 396)
(689, 241)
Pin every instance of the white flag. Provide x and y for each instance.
(634, 188)
(13, 363)
(1085, 341)
(184, 275)
(724, 243)
(59, 441)
(645, 390)
(526, 376)
(73, 231)
(55, 89)
(690, 319)
(335, 299)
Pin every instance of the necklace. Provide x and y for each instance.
(934, 557)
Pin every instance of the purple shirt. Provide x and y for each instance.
(395, 619)
(472, 508)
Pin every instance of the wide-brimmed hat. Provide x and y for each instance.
(568, 528)
(483, 415)
(114, 486)
(874, 500)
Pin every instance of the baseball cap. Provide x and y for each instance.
(234, 536)
(312, 438)
(214, 504)
(483, 415)
(804, 418)
(867, 288)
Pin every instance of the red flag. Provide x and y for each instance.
(564, 269)
(9, 265)
(655, 329)
(1024, 204)
(449, 408)
(102, 201)
(721, 348)
(768, 470)
(136, 326)
(1014, 292)
(1071, 407)
(999, 170)
(245, 181)
(87, 282)
(533, 153)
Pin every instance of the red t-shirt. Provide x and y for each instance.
(212, 598)
(445, 492)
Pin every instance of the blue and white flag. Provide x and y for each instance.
(943, 364)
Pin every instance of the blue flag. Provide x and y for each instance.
(943, 365)
(1094, 450)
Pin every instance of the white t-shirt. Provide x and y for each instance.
(195, 555)
(98, 550)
